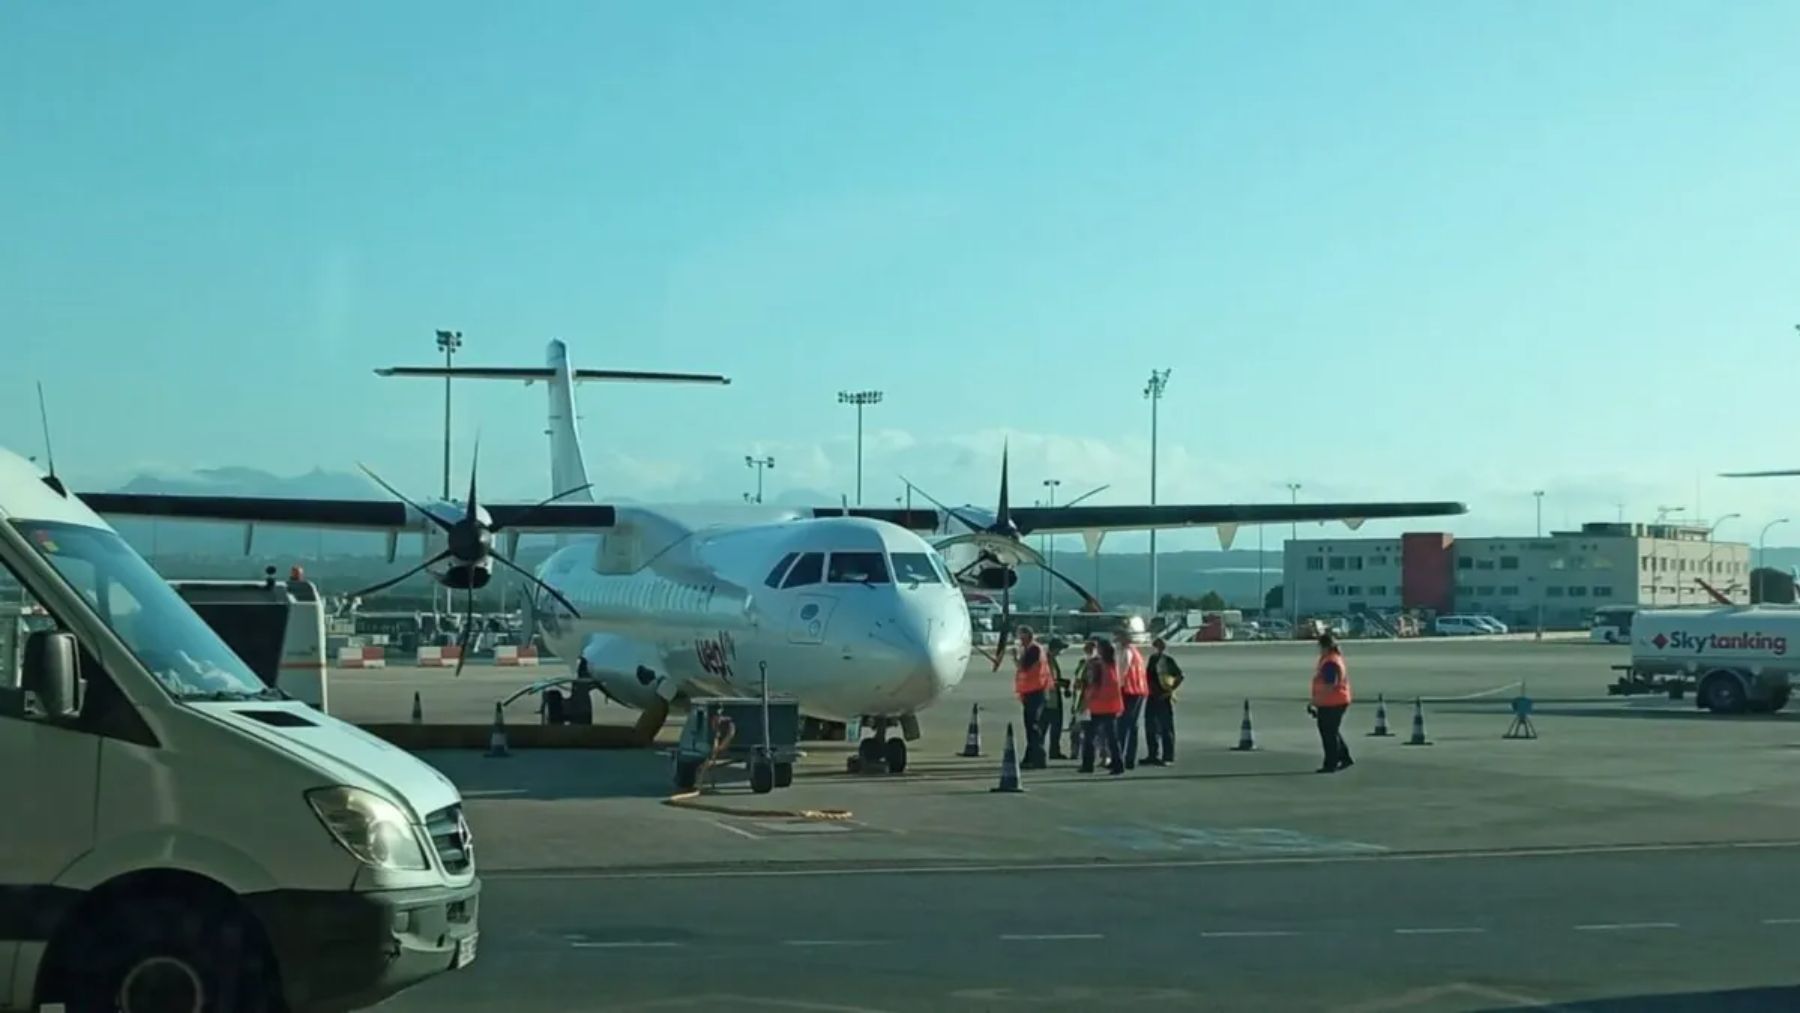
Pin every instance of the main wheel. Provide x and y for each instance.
(762, 777)
(870, 751)
(784, 775)
(1723, 693)
(896, 756)
(165, 956)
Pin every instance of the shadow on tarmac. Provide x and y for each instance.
(1740, 1000)
(552, 774)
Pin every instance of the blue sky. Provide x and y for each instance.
(1457, 250)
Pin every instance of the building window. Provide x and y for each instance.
(1509, 592)
(1356, 562)
(1509, 562)
(1485, 592)
(1315, 562)
(1337, 590)
(1464, 563)
(1353, 589)
(1643, 562)
(1377, 590)
(1578, 591)
(1553, 592)
(1559, 563)
(1603, 591)
(1484, 564)
(1337, 562)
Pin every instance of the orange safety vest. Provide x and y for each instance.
(1137, 677)
(1104, 696)
(1035, 678)
(1331, 694)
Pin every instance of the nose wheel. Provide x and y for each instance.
(879, 754)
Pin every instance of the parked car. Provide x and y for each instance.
(1459, 626)
(1493, 625)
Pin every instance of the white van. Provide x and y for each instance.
(177, 835)
(1459, 626)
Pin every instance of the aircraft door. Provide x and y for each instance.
(810, 618)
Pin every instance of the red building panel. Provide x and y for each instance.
(1428, 571)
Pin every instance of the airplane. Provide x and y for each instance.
(848, 610)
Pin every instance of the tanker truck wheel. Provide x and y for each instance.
(1722, 692)
(1780, 698)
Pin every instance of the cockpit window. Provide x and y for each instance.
(780, 568)
(943, 568)
(807, 570)
(914, 568)
(858, 568)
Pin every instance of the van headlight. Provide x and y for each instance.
(370, 827)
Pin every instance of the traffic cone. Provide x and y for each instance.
(1009, 767)
(1418, 732)
(972, 741)
(497, 738)
(418, 714)
(1246, 734)
(1381, 727)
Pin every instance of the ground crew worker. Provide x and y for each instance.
(1135, 683)
(1032, 682)
(1159, 711)
(1106, 702)
(1053, 699)
(1330, 699)
(1081, 724)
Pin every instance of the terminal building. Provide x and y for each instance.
(1567, 574)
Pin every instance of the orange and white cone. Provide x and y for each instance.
(972, 741)
(497, 738)
(1246, 734)
(1009, 766)
(418, 714)
(1418, 729)
(1381, 725)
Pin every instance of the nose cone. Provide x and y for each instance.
(931, 644)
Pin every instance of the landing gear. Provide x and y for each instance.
(878, 753)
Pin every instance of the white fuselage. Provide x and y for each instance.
(671, 604)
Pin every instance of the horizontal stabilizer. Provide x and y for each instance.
(534, 374)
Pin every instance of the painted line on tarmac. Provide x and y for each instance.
(1248, 934)
(562, 875)
(1050, 937)
(1781, 921)
(1452, 930)
(1626, 926)
(626, 944)
(1478, 695)
(828, 942)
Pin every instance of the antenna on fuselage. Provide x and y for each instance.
(49, 452)
(845, 499)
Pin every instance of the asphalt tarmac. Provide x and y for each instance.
(1611, 931)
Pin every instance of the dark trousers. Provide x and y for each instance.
(1337, 754)
(1053, 726)
(1102, 728)
(1128, 728)
(1159, 729)
(1034, 729)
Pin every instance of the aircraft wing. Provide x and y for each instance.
(1051, 520)
(1782, 473)
(533, 374)
(345, 514)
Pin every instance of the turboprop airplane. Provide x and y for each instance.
(848, 610)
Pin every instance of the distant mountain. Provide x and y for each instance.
(238, 481)
(175, 538)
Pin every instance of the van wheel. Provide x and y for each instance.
(1723, 693)
(784, 775)
(160, 956)
(762, 777)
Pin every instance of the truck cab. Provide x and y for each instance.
(180, 835)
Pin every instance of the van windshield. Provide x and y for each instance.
(178, 648)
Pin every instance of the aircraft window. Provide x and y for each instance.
(914, 568)
(943, 568)
(807, 570)
(858, 568)
(780, 568)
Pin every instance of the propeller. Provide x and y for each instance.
(469, 546)
(1001, 545)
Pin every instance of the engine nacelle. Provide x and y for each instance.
(468, 577)
(623, 673)
(993, 578)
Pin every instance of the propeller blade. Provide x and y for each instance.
(1003, 516)
(522, 518)
(467, 636)
(402, 497)
(384, 585)
(967, 523)
(1005, 622)
(1089, 603)
(474, 469)
(528, 575)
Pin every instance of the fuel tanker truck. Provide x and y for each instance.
(1735, 659)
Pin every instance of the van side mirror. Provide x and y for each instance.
(52, 673)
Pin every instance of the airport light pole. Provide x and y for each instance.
(1712, 542)
(1153, 392)
(1762, 543)
(448, 342)
(1538, 494)
(761, 464)
(1049, 551)
(1291, 585)
(1662, 514)
(861, 399)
